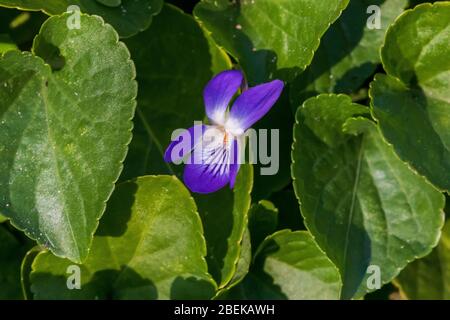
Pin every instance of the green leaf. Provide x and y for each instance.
(149, 245)
(269, 38)
(429, 277)
(290, 265)
(64, 133)
(6, 44)
(25, 271)
(242, 267)
(348, 52)
(11, 254)
(3, 218)
(362, 204)
(411, 102)
(127, 18)
(173, 69)
(263, 220)
(225, 218)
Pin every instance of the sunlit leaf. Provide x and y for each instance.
(150, 245)
(411, 102)
(270, 38)
(362, 204)
(64, 132)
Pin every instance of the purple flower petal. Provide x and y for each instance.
(203, 179)
(235, 164)
(252, 105)
(218, 93)
(212, 165)
(183, 144)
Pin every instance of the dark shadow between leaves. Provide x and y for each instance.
(278, 118)
(118, 212)
(191, 289)
(354, 75)
(129, 285)
(266, 287)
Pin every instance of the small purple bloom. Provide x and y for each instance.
(212, 152)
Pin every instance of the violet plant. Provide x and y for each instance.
(104, 193)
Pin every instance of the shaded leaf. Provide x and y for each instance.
(348, 52)
(411, 102)
(149, 245)
(64, 133)
(362, 204)
(269, 38)
(128, 17)
(429, 277)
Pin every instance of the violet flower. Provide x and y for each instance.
(212, 152)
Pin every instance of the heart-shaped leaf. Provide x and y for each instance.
(411, 102)
(362, 204)
(349, 50)
(269, 38)
(429, 278)
(64, 133)
(225, 218)
(172, 70)
(289, 265)
(149, 245)
(127, 17)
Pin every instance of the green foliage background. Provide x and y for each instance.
(364, 120)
